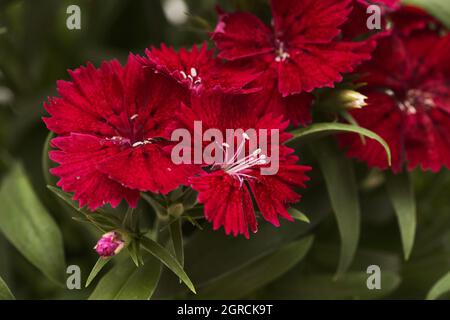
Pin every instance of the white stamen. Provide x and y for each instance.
(141, 143)
(416, 100)
(192, 77)
(236, 165)
(134, 116)
(281, 52)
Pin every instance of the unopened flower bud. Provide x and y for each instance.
(176, 210)
(353, 99)
(343, 99)
(109, 244)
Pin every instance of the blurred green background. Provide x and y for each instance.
(36, 49)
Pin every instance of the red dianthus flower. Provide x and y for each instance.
(226, 187)
(110, 124)
(300, 53)
(197, 70)
(408, 103)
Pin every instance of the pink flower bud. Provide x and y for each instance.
(109, 244)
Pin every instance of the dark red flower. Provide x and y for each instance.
(226, 187)
(408, 103)
(300, 53)
(110, 123)
(198, 70)
(410, 18)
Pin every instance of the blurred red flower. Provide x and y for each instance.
(408, 103)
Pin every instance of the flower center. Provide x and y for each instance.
(121, 141)
(281, 53)
(235, 165)
(133, 137)
(417, 100)
(193, 77)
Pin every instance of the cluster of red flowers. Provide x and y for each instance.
(114, 123)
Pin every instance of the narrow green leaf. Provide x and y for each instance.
(29, 227)
(351, 120)
(440, 288)
(319, 130)
(402, 197)
(257, 274)
(134, 248)
(297, 215)
(67, 198)
(5, 293)
(101, 262)
(168, 260)
(103, 220)
(127, 282)
(342, 189)
(176, 234)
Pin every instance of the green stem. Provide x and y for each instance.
(155, 231)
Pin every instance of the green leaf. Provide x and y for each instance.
(29, 227)
(159, 209)
(353, 285)
(5, 293)
(440, 288)
(103, 220)
(342, 189)
(67, 198)
(297, 215)
(168, 260)
(351, 120)
(438, 8)
(101, 262)
(402, 197)
(319, 130)
(237, 284)
(176, 235)
(125, 281)
(134, 248)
